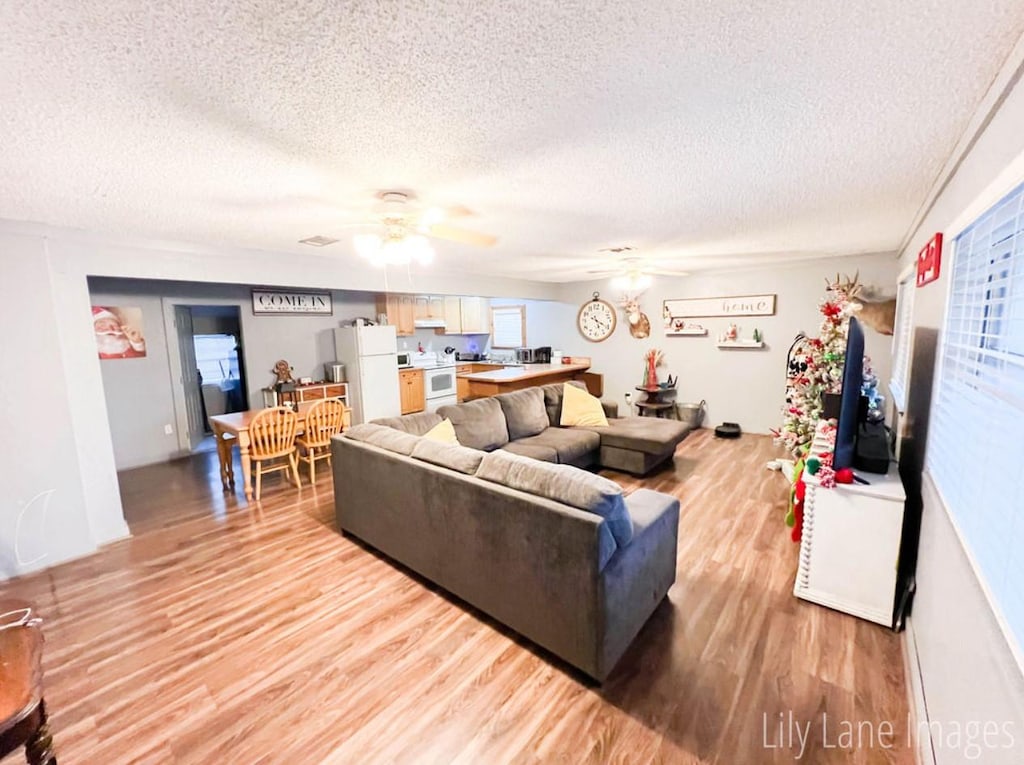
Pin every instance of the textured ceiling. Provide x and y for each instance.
(706, 134)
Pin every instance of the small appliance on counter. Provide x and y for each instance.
(541, 355)
(468, 356)
(404, 359)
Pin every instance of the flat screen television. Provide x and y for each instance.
(850, 409)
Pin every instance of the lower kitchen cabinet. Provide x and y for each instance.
(411, 388)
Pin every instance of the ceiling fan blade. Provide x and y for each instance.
(462, 235)
(665, 272)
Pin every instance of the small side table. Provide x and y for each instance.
(660, 402)
(22, 708)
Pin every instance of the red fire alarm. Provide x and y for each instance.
(928, 260)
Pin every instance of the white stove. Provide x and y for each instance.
(438, 380)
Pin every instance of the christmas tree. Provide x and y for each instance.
(816, 367)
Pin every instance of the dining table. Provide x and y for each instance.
(234, 428)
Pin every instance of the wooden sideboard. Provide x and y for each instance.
(307, 395)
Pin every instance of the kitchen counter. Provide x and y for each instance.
(482, 384)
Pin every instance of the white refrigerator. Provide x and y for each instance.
(370, 356)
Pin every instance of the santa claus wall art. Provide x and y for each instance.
(118, 332)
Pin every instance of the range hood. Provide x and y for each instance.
(436, 322)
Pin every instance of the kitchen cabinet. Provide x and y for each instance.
(452, 312)
(412, 391)
(461, 384)
(428, 307)
(461, 315)
(475, 314)
(400, 310)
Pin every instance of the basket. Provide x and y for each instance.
(691, 414)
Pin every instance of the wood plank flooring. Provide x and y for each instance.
(222, 632)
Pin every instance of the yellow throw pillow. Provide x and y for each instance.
(580, 408)
(443, 432)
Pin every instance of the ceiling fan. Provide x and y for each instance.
(632, 273)
(404, 226)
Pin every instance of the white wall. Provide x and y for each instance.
(744, 386)
(967, 670)
(44, 518)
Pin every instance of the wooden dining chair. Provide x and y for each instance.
(323, 421)
(272, 439)
(23, 721)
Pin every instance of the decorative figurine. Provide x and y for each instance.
(283, 372)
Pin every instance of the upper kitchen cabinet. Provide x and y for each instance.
(429, 311)
(400, 310)
(452, 310)
(447, 315)
(475, 316)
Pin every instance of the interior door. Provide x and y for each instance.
(189, 375)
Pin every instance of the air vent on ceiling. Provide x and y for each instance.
(618, 250)
(318, 241)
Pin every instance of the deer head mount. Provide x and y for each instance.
(879, 313)
(639, 324)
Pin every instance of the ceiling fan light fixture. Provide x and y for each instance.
(397, 249)
(634, 281)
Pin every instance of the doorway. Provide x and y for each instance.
(212, 367)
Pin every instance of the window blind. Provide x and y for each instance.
(976, 438)
(508, 325)
(902, 340)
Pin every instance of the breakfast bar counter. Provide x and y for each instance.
(497, 381)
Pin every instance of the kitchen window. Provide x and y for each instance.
(508, 326)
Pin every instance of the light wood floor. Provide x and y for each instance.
(226, 633)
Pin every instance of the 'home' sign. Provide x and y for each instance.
(737, 305)
(265, 302)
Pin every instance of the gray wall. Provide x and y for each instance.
(744, 386)
(139, 394)
(967, 670)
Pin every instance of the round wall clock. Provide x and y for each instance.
(596, 319)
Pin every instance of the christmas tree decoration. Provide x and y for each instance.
(815, 367)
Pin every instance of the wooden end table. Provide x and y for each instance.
(658, 402)
(23, 719)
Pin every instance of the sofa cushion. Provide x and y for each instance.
(417, 424)
(443, 433)
(478, 424)
(580, 408)
(531, 450)
(569, 444)
(561, 483)
(453, 456)
(553, 400)
(525, 414)
(384, 437)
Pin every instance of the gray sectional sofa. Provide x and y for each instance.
(526, 422)
(512, 526)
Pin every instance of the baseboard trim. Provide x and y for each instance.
(924, 753)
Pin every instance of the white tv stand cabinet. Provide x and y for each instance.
(850, 547)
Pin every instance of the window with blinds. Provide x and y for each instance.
(902, 340)
(508, 326)
(976, 439)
